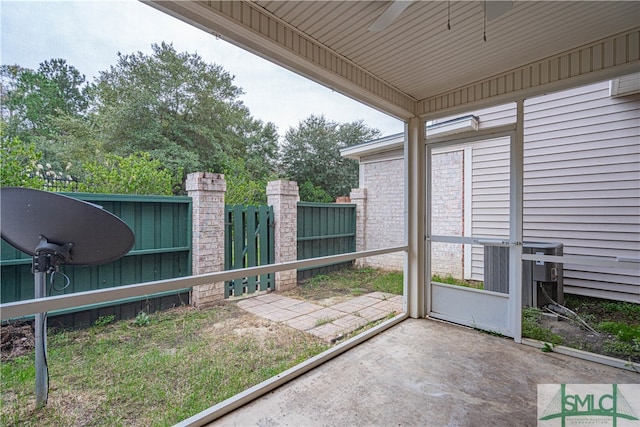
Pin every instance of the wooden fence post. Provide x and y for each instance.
(283, 196)
(207, 193)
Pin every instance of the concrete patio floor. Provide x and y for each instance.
(424, 373)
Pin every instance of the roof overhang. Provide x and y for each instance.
(415, 67)
(381, 145)
(625, 85)
(468, 123)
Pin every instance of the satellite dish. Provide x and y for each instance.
(55, 230)
(82, 233)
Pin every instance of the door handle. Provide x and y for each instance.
(496, 242)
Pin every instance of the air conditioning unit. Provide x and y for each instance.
(541, 281)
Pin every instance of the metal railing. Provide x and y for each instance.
(81, 299)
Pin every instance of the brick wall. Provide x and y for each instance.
(383, 212)
(447, 215)
(381, 202)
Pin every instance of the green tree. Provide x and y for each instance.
(242, 187)
(310, 155)
(312, 193)
(49, 108)
(182, 111)
(31, 99)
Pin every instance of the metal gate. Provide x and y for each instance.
(249, 242)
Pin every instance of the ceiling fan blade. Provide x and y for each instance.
(389, 15)
(496, 9)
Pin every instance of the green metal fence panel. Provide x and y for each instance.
(162, 249)
(325, 229)
(248, 243)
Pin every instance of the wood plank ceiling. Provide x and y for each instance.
(418, 58)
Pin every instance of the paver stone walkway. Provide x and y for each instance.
(328, 323)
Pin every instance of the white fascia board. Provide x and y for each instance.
(380, 145)
(451, 127)
(392, 142)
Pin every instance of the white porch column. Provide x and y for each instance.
(516, 223)
(415, 214)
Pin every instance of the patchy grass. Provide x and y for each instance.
(600, 309)
(348, 282)
(324, 321)
(532, 329)
(617, 325)
(622, 331)
(160, 371)
(161, 368)
(450, 280)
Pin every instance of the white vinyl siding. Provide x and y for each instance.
(489, 196)
(582, 184)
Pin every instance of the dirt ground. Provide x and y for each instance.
(576, 336)
(573, 335)
(16, 340)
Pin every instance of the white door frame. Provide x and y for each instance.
(497, 312)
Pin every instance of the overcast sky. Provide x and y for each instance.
(88, 34)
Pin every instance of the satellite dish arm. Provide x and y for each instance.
(50, 255)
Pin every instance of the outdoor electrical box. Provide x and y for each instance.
(542, 282)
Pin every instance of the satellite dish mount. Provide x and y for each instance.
(50, 256)
(47, 259)
(71, 232)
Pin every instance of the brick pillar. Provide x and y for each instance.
(359, 198)
(283, 196)
(207, 193)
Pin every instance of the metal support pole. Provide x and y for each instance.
(42, 371)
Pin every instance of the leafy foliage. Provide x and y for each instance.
(31, 99)
(183, 113)
(134, 174)
(311, 153)
(19, 164)
(312, 193)
(624, 332)
(49, 107)
(242, 187)
(181, 110)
